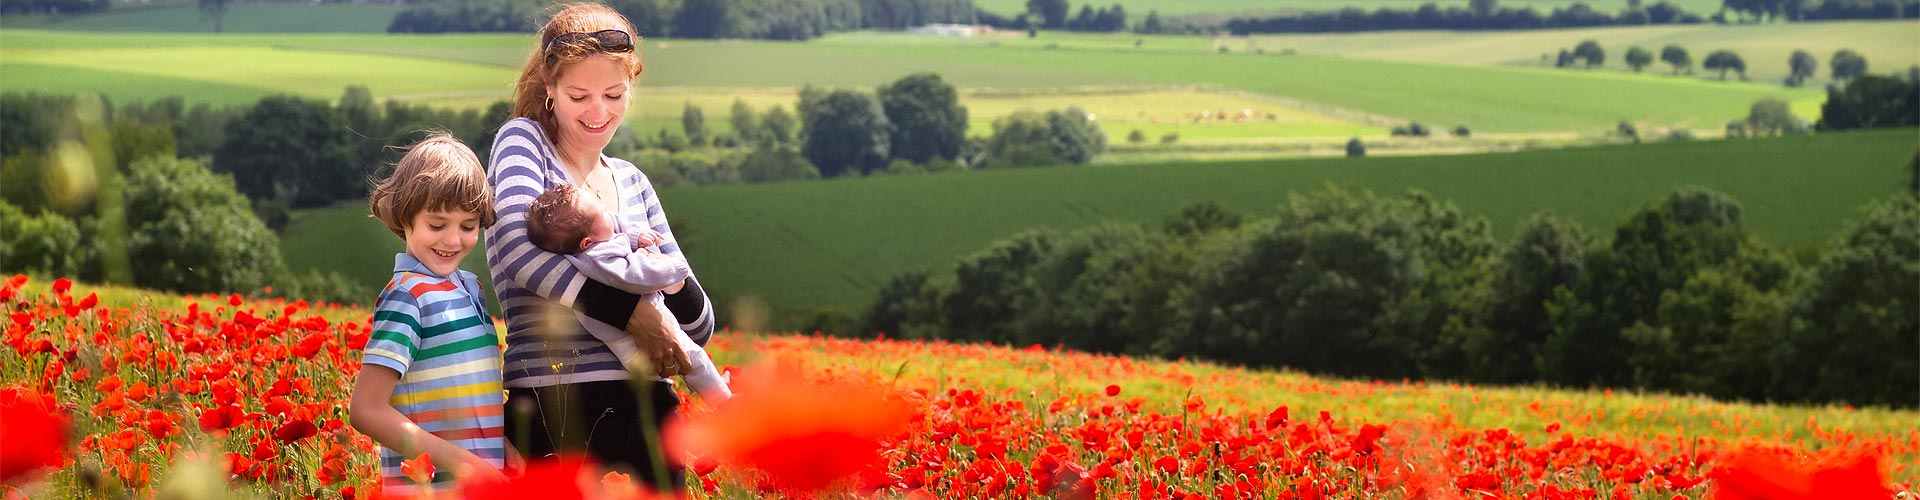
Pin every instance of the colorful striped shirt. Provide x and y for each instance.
(532, 282)
(434, 331)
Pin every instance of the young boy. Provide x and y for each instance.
(570, 221)
(429, 381)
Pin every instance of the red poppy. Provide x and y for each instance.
(295, 430)
(35, 434)
(221, 418)
(311, 344)
(418, 469)
(1760, 475)
(558, 478)
(802, 436)
(61, 285)
(1113, 390)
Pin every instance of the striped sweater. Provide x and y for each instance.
(532, 283)
(434, 331)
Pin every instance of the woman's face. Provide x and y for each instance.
(589, 100)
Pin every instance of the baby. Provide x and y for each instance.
(570, 221)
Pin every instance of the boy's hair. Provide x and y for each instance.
(437, 174)
(555, 222)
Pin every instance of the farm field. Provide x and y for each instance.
(838, 240)
(1137, 9)
(240, 18)
(476, 69)
(1123, 424)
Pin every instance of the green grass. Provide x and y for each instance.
(1889, 46)
(240, 18)
(1137, 9)
(479, 68)
(809, 246)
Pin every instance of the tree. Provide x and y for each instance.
(1860, 305)
(1771, 116)
(704, 19)
(779, 124)
(1022, 139)
(1153, 24)
(1800, 67)
(1871, 102)
(1136, 137)
(1848, 64)
(693, 121)
(1664, 12)
(215, 10)
(1638, 58)
(194, 232)
(746, 126)
(1483, 8)
(1590, 52)
(1511, 321)
(1676, 56)
(846, 133)
(1724, 61)
(293, 149)
(1052, 13)
(47, 243)
(1355, 148)
(1564, 59)
(1086, 20)
(1201, 218)
(770, 162)
(1656, 250)
(1075, 136)
(928, 120)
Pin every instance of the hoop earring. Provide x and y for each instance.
(549, 103)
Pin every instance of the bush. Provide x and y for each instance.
(316, 286)
(1029, 138)
(1860, 306)
(46, 244)
(1136, 137)
(1462, 132)
(191, 231)
(1170, 138)
(902, 167)
(1355, 148)
(771, 163)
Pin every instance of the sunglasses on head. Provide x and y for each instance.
(614, 41)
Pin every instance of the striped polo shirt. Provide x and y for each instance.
(434, 331)
(532, 283)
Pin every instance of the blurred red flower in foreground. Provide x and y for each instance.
(1754, 474)
(35, 434)
(799, 436)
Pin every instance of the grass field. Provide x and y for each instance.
(152, 421)
(240, 18)
(476, 68)
(1137, 9)
(808, 246)
(1889, 46)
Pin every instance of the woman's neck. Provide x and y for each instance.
(580, 161)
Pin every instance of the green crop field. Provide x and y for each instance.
(478, 68)
(1137, 9)
(1889, 46)
(240, 18)
(807, 246)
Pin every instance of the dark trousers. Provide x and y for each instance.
(608, 420)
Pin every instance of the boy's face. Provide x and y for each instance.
(600, 226)
(440, 239)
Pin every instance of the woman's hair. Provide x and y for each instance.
(437, 174)
(530, 92)
(555, 222)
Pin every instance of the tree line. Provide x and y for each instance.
(1681, 297)
(764, 19)
(1487, 15)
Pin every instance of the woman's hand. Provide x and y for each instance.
(470, 467)
(654, 334)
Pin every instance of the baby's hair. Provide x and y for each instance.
(437, 174)
(555, 221)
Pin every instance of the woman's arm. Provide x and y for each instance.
(690, 305)
(516, 167)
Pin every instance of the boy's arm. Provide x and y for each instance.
(372, 414)
(635, 271)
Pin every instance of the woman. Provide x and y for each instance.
(566, 388)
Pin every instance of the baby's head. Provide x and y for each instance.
(566, 220)
(436, 200)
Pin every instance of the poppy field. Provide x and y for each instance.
(113, 393)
